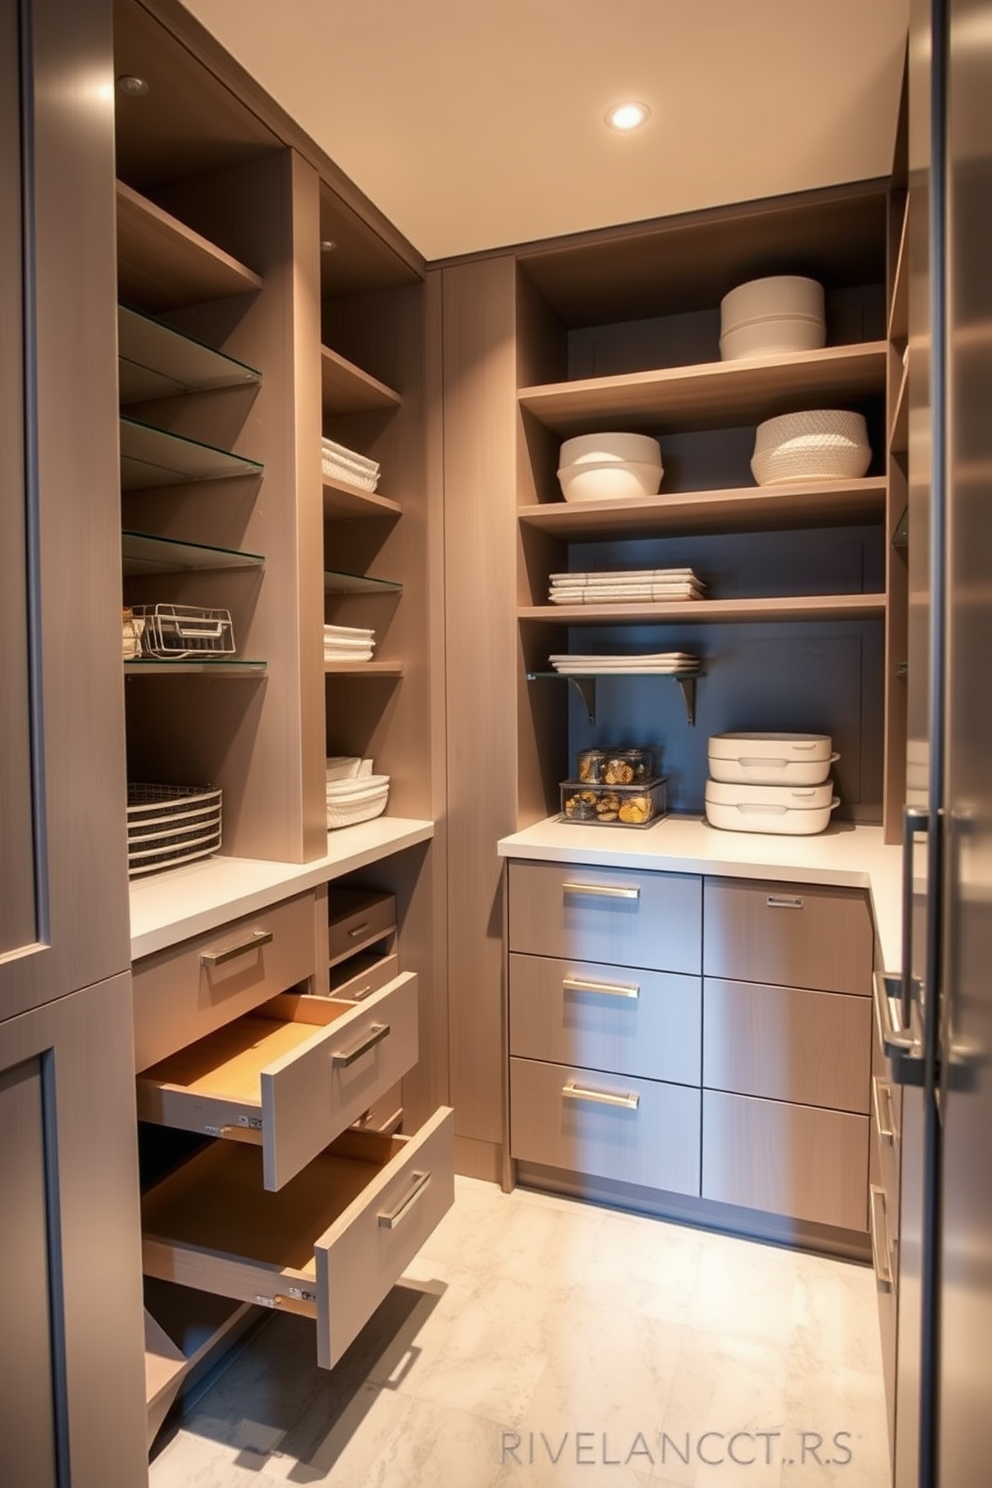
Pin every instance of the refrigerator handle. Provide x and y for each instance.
(915, 819)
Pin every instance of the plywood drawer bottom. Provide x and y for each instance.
(290, 1076)
(328, 1245)
(607, 1126)
(786, 1159)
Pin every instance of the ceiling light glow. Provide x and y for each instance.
(626, 116)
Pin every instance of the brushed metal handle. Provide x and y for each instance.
(343, 1057)
(610, 989)
(600, 1097)
(217, 958)
(781, 901)
(894, 1040)
(603, 891)
(887, 1131)
(359, 929)
(390, 1220)
(883, 1269)
(915, 819)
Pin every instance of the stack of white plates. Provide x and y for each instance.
(669, 662)
(771, 316)
(821, 444)
(340, 463)
(597, 467)
(770, 783)
(625, 586)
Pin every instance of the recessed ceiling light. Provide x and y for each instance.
(327, 245)
(625, 116)
(134, 87)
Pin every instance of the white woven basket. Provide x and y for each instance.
(353, 801)
(820, 444)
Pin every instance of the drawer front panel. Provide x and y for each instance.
(610, 915)
(786, 1159)
(184, 993)
(365, 1253)
(358, 918)
(645, 1023)
(606, 1126)
(360, 975)
(795, 935)
(810, 1047)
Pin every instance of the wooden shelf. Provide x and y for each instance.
(710, 396)
(344, 502)
(747, 509)
(899, 433)
(162, 264)
(154, 667)
(363, 668)
(898, 329)
(345, 388)
(708, 611)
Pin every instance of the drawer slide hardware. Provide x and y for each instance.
(255, 941)
(390, 1220)
(782, 901)
(880, 1255)
(344, 1057)
(602, 891)
(601, 1097)
(609, 989)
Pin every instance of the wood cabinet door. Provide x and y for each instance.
(63, 867)
(72, 1405)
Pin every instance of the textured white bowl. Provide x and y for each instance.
(771, 336)
(609, 480)
(638, 449)
(820, 444)
(781, 295)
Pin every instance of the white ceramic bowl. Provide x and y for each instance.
(779, 297)
(768, 337)
(820, 444)
(609, 480)
(639, 449)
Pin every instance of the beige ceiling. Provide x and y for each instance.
(477, 123)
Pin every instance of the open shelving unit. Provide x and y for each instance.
(164, 265)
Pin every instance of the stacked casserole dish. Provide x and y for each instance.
(770, 783)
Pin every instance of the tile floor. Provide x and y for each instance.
(543, 1343)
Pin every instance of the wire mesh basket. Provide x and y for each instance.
(171, 632)
(170, 824)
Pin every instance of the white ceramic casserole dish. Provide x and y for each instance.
(785, 811)
(770, 758)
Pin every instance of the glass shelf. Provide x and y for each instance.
(143, 554)
(585, 685)
(153, 666)
(349, 583)
(150, 457)
(900, 538)
(157, 362)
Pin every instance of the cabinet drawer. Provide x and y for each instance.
(612, 915)
(328, 1245)
(786, 1159)
(606, 1126)
(795, 935)
(357, 918)
(356, 977)
(787, 1044)
(290, 1076)
(189, 990)
(632, 1022)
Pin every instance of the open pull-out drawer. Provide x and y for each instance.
(329, 1245)
(289, 1076)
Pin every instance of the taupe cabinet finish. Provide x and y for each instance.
(791, 934)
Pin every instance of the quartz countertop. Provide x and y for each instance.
(845, 854)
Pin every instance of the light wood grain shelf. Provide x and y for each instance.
(744, 509)
(363, 668)
(345, 388)
(344, 502)
(154, 667)
(708, 611)
(712, 395)
(162, 264)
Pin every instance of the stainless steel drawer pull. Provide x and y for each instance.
(603, 891)
(342, 1058)
(782, 901)
(879, 1250)
(886, 1130)
(359, 929)
(601, 1097)
(391, 1220)
(610, 989)
(217, 958)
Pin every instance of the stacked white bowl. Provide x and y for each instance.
(770, 783)
(597, 467)
(767, 316)
(820, 444)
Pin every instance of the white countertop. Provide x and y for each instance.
(169, 907)
(845, 854)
